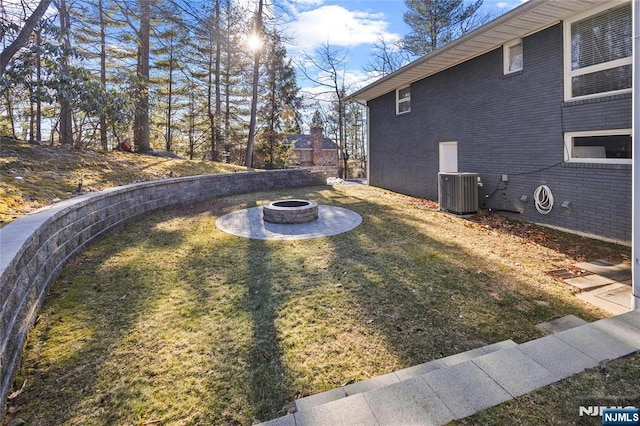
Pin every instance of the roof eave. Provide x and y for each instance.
(412, 71)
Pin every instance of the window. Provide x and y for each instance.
(403, 100)
(512, 56)
(598, 53)
(600, 146)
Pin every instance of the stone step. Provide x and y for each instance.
(470, 385)
(560, 324)
(311, 401)
(619, 272)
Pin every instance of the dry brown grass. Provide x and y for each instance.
(33, 176)
(170, 319)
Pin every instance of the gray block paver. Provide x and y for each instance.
(505, 344)
(630, 319)
(621, 331)
(411, 402)
(374, 383)
(465, 389)
(515, 371)
(560, 324)
(557, 356)
(463, 356)
(417, 370)
(616, 303)
(620, 272)
(248, 223)
(319, 398)
(595, 343)
(287, 420)
(352, 410)
(588, 282)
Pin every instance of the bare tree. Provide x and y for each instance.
(388, 56)
(328, 64)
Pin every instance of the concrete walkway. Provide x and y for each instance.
(607, 286)
(458, 386)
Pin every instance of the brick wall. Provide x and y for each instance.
(506, 124)
(36, 247)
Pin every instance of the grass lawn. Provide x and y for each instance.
(170, 321)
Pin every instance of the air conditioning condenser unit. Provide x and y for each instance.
(458, 192)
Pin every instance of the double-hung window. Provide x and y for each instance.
(598, 52)
(403, 100)
(513, 56)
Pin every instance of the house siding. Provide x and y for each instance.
(507, 124)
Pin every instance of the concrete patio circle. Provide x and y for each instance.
(248, 223)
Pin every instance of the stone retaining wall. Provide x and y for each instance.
(35, 248)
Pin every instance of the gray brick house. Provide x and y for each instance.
(539, 96)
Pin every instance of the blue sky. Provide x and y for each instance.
(354, 25)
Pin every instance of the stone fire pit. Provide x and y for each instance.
(290, 211)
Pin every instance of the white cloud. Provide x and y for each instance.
(337, 26)
(509, 4)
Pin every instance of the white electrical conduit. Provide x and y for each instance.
(544, 199)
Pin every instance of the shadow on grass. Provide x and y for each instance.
(270, 377)
(90, 311)
(431, 298)
(172, 320)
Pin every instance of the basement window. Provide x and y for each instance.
(600, 146)
(403, 100)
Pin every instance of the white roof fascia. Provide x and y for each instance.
(529, 18)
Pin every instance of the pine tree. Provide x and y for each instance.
(435, 23)
(170, 55)
(280, 103)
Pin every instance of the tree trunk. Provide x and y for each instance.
(169, 133)
(66, 120)
(227, 88)
(218, 104)
(210, 107)
(141, 119)
(248, 160)
(38, 88)
(103, 75)
(192, 123)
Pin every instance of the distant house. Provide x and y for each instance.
(541, 96)
(313, 150)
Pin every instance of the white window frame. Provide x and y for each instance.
(399, 101)
(569, 73)
(568, 145)
(506, 50)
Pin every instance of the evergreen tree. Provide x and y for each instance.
(435, 23)
(280, 103)
(170, 53)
